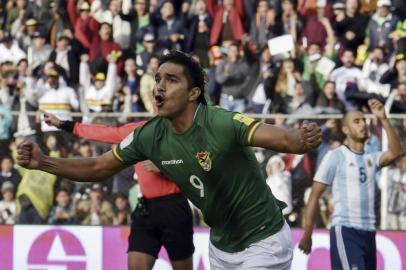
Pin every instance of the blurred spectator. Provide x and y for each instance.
(61, 212)
(372, 70)
(231, 74)
(381, 25)
(23, 30)
(58, 100)
(301, 99)
(9, 49)
(328, 101)
(149, 43)
(5, 123)
(198, 40)
(8, 173)
(66, 55)
(147, 84)
(280, 182)
(348, 78)
(396, 103)
(265, 26)
(140, 20)
(103, 48)
(41, 10)
(227, 20)
(170, 30)
(349, 24)
(84, 25)
(131, 83)
(8, 204)
(292, 23)
(397, 195)
(14, 9)
(39, 50)
(95, 210)
(121, 210)
(397, 72)
(287, 78)
(121, 29)
(100, 92)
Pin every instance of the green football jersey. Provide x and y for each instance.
(216, 169)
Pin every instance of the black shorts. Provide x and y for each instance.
(169, 223)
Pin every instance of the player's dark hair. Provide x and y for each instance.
(195, 74)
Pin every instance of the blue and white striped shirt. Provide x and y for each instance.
(353, 180)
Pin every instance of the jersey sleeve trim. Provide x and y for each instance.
(251, 132)
(117, 155)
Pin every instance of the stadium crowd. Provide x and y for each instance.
(67, 56)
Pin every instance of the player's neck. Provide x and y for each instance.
(355, 146)
(184, 121)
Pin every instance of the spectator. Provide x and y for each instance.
(8, 173)
(265, 26)
(397, 195)
(227, 21)
(100, 92)
(396, 103)
(372, 70)
(397, 72)
(328, 101)
(279, 182)
(14, 9)
(381, 25)
(8, 204)
(349, 24)
(292, 23)
(121, 210)
(61, 212)
(230, 74)
(41, 10)
(23, 30)
(95, 210)
(132, 84)
(149, 44)
(147, 84)
(85, 27)
(198, 40)
(39, 51)
(287, 78)
(9, 49)
(66, 55)
(347, 76)
(170, 30)
(59, 100)
(5, 122)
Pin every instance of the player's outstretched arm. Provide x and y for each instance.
(312, 207)
(395, 148)
(298, 141)
(79, 169)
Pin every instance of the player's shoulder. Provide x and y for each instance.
(336, 153)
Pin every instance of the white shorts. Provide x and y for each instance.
(272, 253)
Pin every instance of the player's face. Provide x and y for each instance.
(171, 93)
(355, 127)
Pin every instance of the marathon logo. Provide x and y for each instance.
(172, 162)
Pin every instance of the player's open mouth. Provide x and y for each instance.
(159, 100)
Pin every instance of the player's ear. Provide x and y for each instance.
(194, 94)
(345, 130)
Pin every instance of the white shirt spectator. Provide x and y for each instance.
(13, 54)
(342, 76)
(371, 74)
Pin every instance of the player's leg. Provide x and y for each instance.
(370, 257)
(347, 248)
(144, 242)
(177, 230)
(273, 253)
(140, 261)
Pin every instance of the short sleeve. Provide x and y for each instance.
(326, 172)
(236, 127)
(129, 151)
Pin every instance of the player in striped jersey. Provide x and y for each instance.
(352, 174)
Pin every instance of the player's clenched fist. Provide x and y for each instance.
(310, 134)
(29, 155)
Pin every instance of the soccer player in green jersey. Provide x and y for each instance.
(206, 151)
